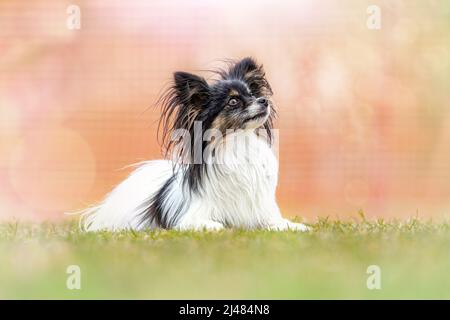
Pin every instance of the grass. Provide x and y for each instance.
(329, 263)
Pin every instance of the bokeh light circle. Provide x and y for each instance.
(52, 170)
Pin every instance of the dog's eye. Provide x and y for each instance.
(233, 102)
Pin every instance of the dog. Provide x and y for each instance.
(220, 170)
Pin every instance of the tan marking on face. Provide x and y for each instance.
(219, 122)
(233, 92)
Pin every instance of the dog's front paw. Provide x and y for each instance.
(298, 227)
(212, 226)
(285, 225)
(204, 225)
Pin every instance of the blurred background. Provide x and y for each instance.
(364, 118)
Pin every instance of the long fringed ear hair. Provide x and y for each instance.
(183, 104)
(252, 73)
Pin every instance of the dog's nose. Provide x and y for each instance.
(263, 101)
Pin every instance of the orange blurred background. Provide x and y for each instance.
(363, 114)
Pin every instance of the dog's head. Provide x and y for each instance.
(239, 99)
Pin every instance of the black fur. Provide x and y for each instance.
(153, 210)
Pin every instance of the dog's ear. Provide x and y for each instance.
(249, 71)
(182, 105)
(191, 90)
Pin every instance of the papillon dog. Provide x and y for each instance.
(220, 172)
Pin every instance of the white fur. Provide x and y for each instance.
(120, 208)
(238, 192)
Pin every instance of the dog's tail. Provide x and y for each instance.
(121, 209)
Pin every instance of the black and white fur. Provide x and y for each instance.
(186, 194)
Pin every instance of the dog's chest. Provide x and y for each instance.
(253, 168)
(242, 190)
